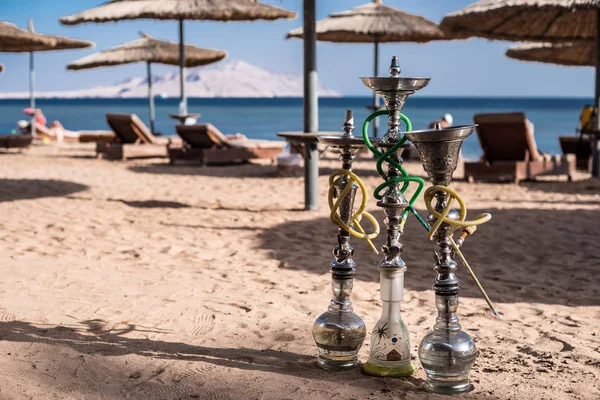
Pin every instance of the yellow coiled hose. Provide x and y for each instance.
(334, 205)
(442, 217)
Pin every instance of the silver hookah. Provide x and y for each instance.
(339, 333)
(390, 341)
(446, 352)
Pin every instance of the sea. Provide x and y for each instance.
(262, 118)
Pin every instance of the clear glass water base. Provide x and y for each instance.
(337, 364)
(390, 372)
(446, 387)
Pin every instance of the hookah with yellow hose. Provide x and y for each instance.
(339, 333)
(447, 353)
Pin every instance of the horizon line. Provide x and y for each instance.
(538, 97)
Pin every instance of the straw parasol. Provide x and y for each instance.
(149, 50)
(374, 23)
(534, 20)
(14, 39)
(179, 10)
(579, 54)
(38, 43)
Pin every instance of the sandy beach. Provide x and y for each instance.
(140, 280)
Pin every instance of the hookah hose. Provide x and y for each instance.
(405, 179)
(455, 225)
(356, 217)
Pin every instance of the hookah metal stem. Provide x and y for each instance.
(442, 217)
(469, 269)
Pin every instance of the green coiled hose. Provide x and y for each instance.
(405, 179)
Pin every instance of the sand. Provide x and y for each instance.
(141, 280)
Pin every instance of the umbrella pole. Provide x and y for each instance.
(596, 158)
(182, 67)
(311, 117)
(375, 95)
(150, 98)
(32, 92)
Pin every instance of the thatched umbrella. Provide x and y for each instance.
(41, 43)
(374, 23)
(579, 54)
(179, 10)
(14, 39)
(537, 21)
(149, 50)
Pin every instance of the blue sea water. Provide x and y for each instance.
(263, 118)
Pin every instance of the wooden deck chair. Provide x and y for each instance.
(510, 151)
(581, 146)
(205, 144)
(15, 141)
(133, 139)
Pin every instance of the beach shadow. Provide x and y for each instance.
(26, 189)
(588, 186)
(246, 170)
(555, 253)
(154, 204)
(90, 338)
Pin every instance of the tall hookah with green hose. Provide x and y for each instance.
(390, 341)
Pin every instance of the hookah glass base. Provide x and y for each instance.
(447, 356)
(339, 336)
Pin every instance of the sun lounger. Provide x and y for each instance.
(205, 144)
(581, 146)
(133, 139)
(15, 141)
(510, 151)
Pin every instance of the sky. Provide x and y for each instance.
(474, 67)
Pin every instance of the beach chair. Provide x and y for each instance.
(204, 144)
(581, 146)
(510, 151)
(8, 142)
(133, 139)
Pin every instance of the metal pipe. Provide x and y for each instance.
(32, 83)
(375, 95)
(182, 67)
(596, 159)
(311, 108)
(32, 92)
(150, 97)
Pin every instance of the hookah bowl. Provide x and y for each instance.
(390, 341)
(446, 353)
(339, 333)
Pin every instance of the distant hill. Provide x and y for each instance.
(231, 79)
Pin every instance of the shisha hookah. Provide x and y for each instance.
(390, 342)
(339, 333)
(446, 353)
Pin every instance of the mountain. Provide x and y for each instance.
(232, 79)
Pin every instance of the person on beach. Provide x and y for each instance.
(55, 131)
(445, 121)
